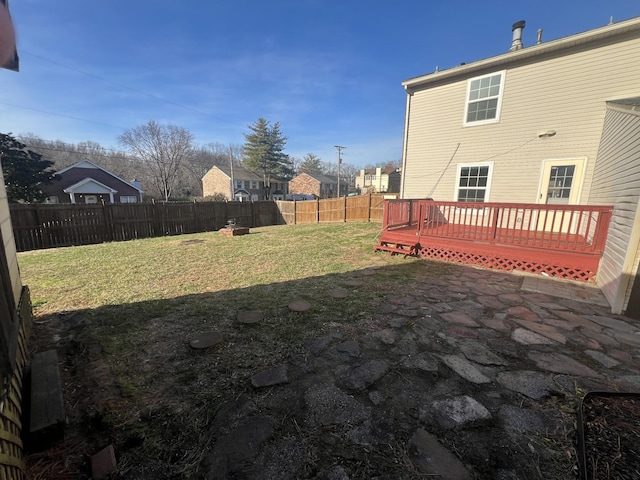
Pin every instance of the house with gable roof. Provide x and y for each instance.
(247, 185)
(546, 122)
(86, 182)
(379, 180)
(318, 185)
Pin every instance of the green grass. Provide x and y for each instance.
(141, 302)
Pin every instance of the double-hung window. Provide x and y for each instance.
(484, 99)
(474, 181)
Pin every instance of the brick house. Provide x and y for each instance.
(322, 186)
(86, 182)
(248, 185)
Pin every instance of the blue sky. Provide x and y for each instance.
(328, 70)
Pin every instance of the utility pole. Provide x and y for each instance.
(233, 185)
(340, 148)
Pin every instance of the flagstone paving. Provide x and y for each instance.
(464, 373)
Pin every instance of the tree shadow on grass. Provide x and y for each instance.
(132, 380)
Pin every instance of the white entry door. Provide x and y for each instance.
(561, 182)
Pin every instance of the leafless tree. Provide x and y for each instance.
(163, 149)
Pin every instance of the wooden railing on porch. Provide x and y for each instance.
(537, 234)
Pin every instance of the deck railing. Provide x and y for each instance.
(579, 228)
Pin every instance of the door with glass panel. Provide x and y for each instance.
(561, 184)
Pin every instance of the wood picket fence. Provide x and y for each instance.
(38, 226)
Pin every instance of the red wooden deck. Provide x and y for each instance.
(556, 240)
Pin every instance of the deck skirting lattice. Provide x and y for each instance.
(506, 264)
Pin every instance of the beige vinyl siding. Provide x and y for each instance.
(9, 243)
(564, 93)
(617, 182)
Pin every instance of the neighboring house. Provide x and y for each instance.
(379, 180)
(86, 182)
(321, 186)
(248, 185)
(555, 122)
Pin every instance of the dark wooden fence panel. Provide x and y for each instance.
(130, 221)
(46, 226)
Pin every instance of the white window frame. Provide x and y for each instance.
(487, 188)
(498, 97)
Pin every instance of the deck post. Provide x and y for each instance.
(385, 213)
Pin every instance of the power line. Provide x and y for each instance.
(62, 115)
(132, 89)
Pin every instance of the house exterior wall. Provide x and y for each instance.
(73, 175)
(216, 181)
(562, 89)
(306, 185)
(377, 179)
(617, 182)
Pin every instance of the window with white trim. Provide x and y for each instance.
(128, 199)
(484, 99)
(473, 183)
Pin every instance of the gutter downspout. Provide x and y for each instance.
(405, 140)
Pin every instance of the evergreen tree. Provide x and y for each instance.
(264, 152)
(311, 164)
(24, 170)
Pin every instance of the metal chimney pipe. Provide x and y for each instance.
(517, 28)
(539, 41)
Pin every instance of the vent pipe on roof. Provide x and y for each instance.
(539, 41)
(517, 28)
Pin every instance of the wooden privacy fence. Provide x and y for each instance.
(45, 226)
(361, 208)
(38, 226)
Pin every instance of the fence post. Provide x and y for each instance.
(295, 212)
(108, 220)
(318, 210)
(345, 209)
(196, 217)
(253, 215)
(370, 206)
